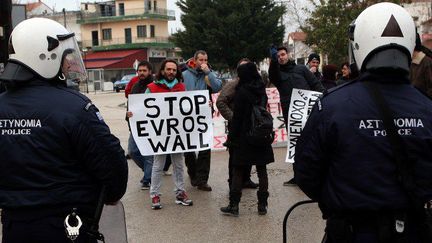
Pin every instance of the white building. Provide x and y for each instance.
(299, 50)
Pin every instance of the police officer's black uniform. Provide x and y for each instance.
(56, 154)
(344, 158)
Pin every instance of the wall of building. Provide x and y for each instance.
(71, 22)
(118, 31)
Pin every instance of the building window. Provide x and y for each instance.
(86, 6)
(152, 31)
(154, 5)
(121, 9)
(148, 4)
(106, 34)
(142, 31)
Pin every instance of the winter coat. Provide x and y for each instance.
(161, 86)
(56, 149)
(198, 80)
(288, 76)
(421, 73)
(225, 101)
(244, 153)
(345, 162)
(129, 86)
(328, 84)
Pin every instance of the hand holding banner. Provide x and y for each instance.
(301, 105)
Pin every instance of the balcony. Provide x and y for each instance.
(126, 14)
(132, 43)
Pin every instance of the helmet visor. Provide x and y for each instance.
(73, 66)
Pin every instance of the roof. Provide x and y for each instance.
(122, 59)
(297, 36)
(31, 6)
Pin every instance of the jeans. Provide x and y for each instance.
(144, 162)
(156, 178)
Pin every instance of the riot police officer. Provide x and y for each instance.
(57, 153)
(344, 158)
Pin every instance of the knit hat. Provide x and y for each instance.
(314, 56)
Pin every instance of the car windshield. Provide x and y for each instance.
(127, 77)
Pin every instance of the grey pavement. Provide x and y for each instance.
(203, 221)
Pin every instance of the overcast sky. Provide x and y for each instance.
(58, 5)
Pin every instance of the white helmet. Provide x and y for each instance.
(47, 48)
(379, 27)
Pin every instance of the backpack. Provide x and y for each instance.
(261, 131)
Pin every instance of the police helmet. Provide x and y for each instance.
(47, 48)
(380, 27)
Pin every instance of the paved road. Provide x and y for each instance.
(203, 222)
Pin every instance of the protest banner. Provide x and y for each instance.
(164, 123)
(301, 105)
(220, 128)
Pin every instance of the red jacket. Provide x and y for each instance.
(129, 86)
(157, 87)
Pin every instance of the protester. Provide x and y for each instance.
(57, 152)
(286, 75)
(346, 73)
(421, 69)
(249, 91)
(199, 76)
(145, 77)
(225, 105)
(169, 79)
(129, 86)
(329, 76)
(313, 63)
(365, 152)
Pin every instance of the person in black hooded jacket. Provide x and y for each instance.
(286, 75)
(249, 91)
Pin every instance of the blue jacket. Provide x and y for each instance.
(195, 80)
(56, 149)
(343, 160)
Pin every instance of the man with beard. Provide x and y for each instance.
(286, 75)
(144, 162)
(169, 79)
(199, 76)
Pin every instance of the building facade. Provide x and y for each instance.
(116, 33)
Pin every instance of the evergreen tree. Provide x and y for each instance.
(229, 30)
(327, 27)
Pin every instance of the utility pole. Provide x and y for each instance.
(64, 17)
(5, 31)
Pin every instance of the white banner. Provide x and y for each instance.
(164, 123)
(301, 105)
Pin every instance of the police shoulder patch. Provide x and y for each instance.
(87, 106)
(99, 116)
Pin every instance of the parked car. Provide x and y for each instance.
(121, 84)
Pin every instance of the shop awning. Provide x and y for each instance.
(122, 59)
